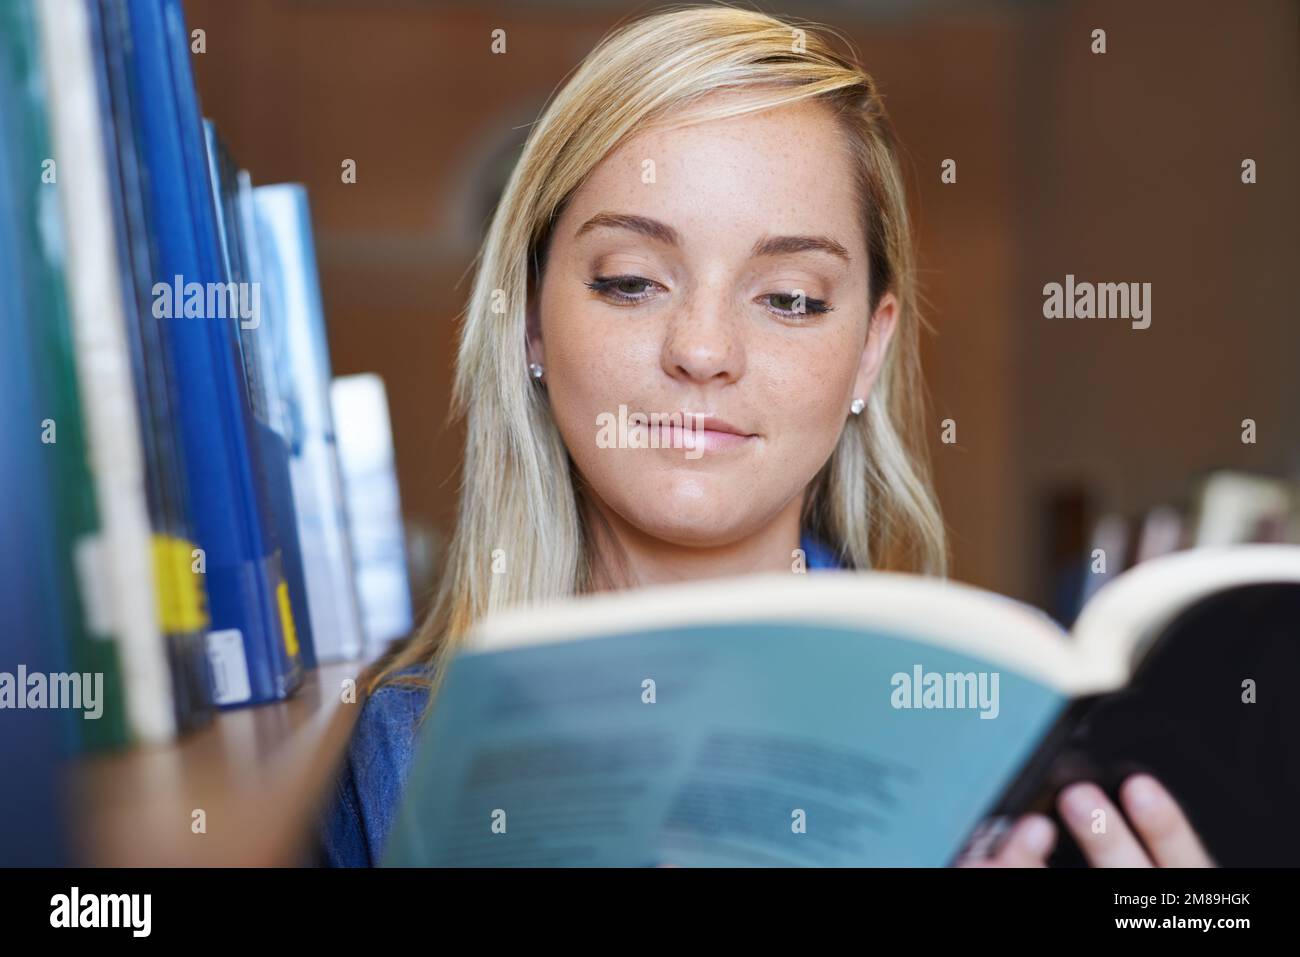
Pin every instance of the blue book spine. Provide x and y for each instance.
(239, 253)
(251, 645)
(182, 593)
(296, 318)
(38, 604)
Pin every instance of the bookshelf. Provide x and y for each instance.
(259, 774)
(186, 534)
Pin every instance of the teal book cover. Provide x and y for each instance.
(772, 723)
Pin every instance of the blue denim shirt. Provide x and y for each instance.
(368, 789)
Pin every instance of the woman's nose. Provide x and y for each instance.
(704, 341)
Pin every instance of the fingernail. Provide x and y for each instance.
(1143, 794)
(1080, 800)
(1036, 834)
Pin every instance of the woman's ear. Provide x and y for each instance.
(879, 331)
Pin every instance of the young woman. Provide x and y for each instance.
(709, 218)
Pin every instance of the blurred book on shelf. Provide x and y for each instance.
(241, 267)
(179, 540)
(183, 602)
(41, 343)
(1234, 507)
(1163, 530)
(365, 443)
(295, 318)
(49, 507)
(1108, 553)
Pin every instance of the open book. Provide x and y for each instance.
(835, 718)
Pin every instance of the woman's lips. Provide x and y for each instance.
(692, 432)
(711, 423)
(709, 433)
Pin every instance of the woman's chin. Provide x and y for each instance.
(691, 509)
(701, 525)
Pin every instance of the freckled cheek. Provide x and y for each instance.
(592, 364)
(805, 396)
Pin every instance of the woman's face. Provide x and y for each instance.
(718, 269)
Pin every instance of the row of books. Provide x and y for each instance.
(1222, 507)
(197, 510)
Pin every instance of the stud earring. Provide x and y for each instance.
(857, 405)
(535, 370)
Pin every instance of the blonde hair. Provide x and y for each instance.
(872, 503)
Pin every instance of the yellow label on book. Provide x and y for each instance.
(182, 602)
(286, 620)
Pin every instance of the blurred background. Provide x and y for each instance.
(1117, 167)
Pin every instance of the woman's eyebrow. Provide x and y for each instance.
(638, 224)
(784, 245)
(662, 232)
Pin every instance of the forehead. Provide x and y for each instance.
(786, 169)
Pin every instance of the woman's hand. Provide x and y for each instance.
(1156, 833)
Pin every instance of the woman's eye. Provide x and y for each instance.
(629, 289)
(796, 303)
(622, 288)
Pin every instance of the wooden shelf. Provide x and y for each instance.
(260, 775)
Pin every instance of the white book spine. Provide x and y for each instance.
(366, 458)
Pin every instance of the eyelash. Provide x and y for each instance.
(606, 286)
